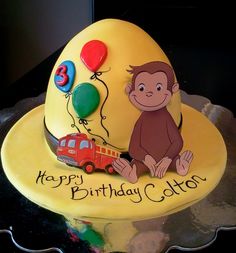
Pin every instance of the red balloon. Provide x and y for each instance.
(93, 54)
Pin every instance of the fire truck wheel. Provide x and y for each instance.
(109, 169)
(88, 167)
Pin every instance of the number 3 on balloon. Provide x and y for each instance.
(62, 72)
(64, 76)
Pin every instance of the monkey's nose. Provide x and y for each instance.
(149, 93)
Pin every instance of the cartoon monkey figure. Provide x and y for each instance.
(155, 143)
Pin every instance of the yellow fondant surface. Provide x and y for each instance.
(34, 170)
(127, 44)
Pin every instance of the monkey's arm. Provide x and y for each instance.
(136, 151)
(175, 139)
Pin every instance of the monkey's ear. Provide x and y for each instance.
(128, 88)
(175, 87)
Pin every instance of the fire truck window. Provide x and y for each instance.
(84, 144)
(71, 143)
(63, 143)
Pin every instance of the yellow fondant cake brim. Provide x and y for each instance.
(34, 170)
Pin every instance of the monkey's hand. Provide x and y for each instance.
(150, 162)
(162, 166)
(128, 88)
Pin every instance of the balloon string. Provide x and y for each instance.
(67, 96)
(95, 76)
(84, 122)
(81, 121)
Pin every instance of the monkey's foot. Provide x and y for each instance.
(183, 163)
(123, 167)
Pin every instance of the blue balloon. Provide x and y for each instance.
(65, 76)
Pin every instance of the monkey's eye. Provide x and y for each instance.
(141, 86)
(159, 87)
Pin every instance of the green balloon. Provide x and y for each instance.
(85, 99)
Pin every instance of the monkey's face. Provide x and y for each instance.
(150, 91)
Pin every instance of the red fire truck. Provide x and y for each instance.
(79, 151)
